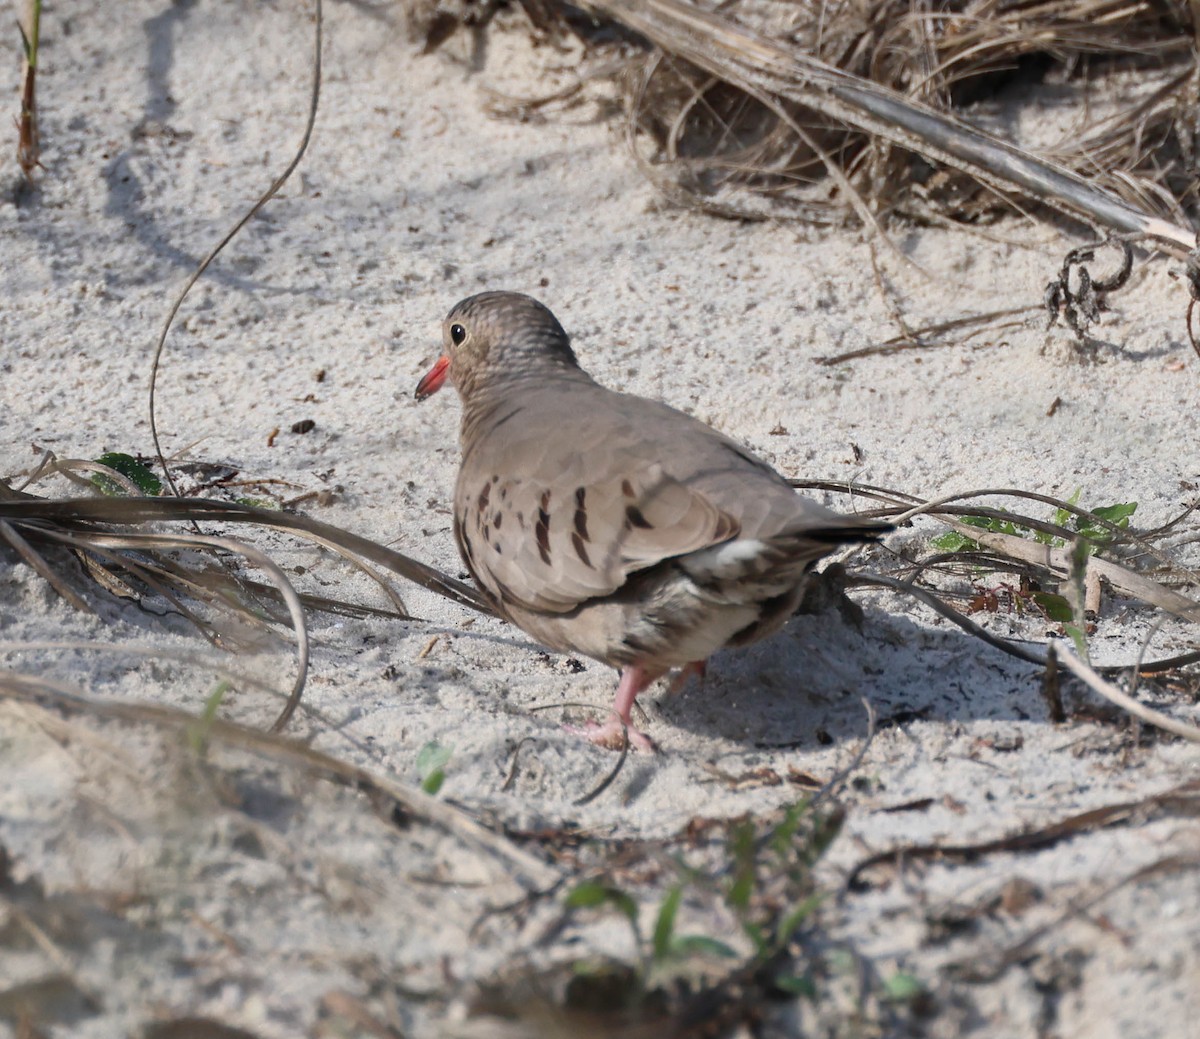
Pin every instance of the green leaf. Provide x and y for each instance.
(755, 934)
(902, 987)
(741, 847)
(785, 832)
(795, 985)
(431, 765)
(828, 827)
(1074, 594)
(26, 46)
(1064, 516)
(587, 895)
(1057, 608)
(1118, 514)
(790, 923)
(1079, 637)
(953, 541)
(132, 469)
(197, 731)
(841, 961)
(702, 945)
(664, 926)
(591, 894)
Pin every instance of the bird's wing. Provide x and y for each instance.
(560, 516)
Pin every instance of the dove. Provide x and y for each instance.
(610, 525)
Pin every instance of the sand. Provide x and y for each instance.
(252, 894)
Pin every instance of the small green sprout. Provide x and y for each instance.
(431, 765)
(132, 469)
(1093, 533)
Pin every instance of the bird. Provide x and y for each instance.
(610, 525)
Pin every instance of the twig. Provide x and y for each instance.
(184, 510)
(987, 970)
(249, 215)
(1139, 710)
(529, 872)
(1184, 799)
(760, 65)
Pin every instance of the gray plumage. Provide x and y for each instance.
(611, 525)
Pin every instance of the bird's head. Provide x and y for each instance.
(495, 336)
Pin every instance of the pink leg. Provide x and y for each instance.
(697, 667)
(612, 733)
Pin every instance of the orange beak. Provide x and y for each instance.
(434, 378)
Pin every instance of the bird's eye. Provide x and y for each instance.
(457, 334)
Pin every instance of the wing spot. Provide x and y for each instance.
(484, 495)
(542, 533)
(497, 519)
(627, 489)
(634, 518)
(581, 550)
(503, 592)
(581, 530)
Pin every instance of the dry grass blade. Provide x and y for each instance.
(34, 560)
(1183, 800)
(84, 525)
(68, 467)
(142, 541)
(1044, 562)
(954, 616)
(529, 872)
(938, 507)
(204, 510)
(1057, 561)
(1123, 700)
(314, 99)
(934, 336)
(988, 968)
(781, 71)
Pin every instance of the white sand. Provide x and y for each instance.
(164, 895)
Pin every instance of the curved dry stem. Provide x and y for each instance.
(249, 552)
(520, 867)
(214, 664)
(188, 510)
(763, 66)
(314, 99)
(947, 611)
(1118, 696)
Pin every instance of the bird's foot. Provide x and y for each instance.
(612, 735)
(699, 668)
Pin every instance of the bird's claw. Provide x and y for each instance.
(613, 734)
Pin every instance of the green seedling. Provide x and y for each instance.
(765, 879)
(666, 945)
(431, 765)
(1094, 534)
(131, 469)
(902, 987)
(1074, 595)
(197, 732)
